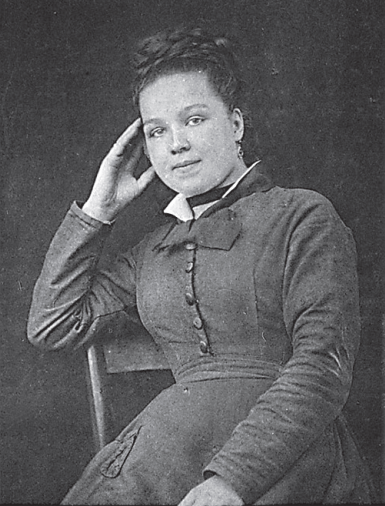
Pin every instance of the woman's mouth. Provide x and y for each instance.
(185, 166)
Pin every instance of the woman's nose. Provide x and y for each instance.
(180, 142)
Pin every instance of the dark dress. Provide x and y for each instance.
(255, 305)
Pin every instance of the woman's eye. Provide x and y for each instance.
(196, 120)
(157, 132)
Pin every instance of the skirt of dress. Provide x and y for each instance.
(161, 454)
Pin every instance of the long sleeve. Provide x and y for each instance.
(71, 293)
(321, 316)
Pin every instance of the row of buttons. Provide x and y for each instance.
(191, 300)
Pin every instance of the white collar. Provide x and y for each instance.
(180, 208)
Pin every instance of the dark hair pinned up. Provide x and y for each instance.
(185, 50)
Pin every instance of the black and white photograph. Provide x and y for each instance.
(192, 235)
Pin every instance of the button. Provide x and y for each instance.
(198, 324)
(190, 299)
(190, 266)
(203, 347)
(190, 246)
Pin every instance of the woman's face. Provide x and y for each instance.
(190, 134)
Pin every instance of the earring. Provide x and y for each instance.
(240, 150)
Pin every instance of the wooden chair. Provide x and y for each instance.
(120, 346)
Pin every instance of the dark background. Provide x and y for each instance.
(316, 90)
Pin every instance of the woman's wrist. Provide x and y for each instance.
(104, 214)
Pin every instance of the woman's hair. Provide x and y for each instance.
(193, 49)
(185, 50)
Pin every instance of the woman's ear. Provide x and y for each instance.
(238, 124)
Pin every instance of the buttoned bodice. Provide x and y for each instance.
(201, 295)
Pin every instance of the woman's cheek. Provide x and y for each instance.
(203, 142)
(157, 152)
(161, 171)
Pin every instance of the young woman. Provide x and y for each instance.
(250, 289)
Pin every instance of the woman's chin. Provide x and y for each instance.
(191, 189)
(188, 190)
(192, 192)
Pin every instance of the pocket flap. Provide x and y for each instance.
(113, 465)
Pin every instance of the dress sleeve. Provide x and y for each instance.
(71, 293)
(321, 315)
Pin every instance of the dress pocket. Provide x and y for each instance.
(112, 466)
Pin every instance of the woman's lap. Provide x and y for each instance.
(160, 456)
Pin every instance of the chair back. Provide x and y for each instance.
(119, 346)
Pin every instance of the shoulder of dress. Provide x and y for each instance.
(301, 200)
(288, 208)
(278, 196)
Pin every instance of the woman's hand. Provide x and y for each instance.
(212, 492)
(115, 185)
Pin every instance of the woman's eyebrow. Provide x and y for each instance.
(151, 120)
(193, 106)
(184, 110)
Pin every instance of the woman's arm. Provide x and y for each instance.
(70, 293)
(320, 307)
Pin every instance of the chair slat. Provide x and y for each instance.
(136, 353)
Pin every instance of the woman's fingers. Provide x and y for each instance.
(123, 142)
(212, 492)
(146, 178)
(117, 158)
(136, 154)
